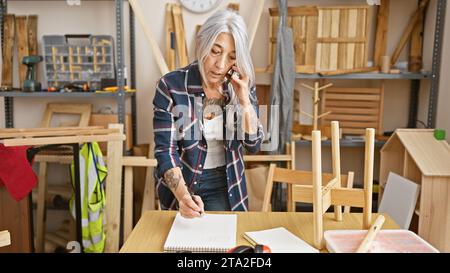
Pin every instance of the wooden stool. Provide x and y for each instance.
(324, 195)
(331, 194)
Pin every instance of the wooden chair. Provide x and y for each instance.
(329, 192)
(288, 158)
(84, 110)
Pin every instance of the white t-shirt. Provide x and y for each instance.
(213, 132)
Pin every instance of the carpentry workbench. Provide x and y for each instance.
(74, 136)
(152, 229)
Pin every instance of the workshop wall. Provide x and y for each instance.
(97, 17)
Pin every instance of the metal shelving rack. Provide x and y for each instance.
(415, 78)
(119, 96)
(369, 76)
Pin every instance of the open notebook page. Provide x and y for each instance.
(279, 240)
(209, 233)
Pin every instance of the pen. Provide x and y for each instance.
(193, 199)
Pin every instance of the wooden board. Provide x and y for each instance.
(382, 31)
(113, 193)
(416, 17)
(15, 217)
(355, 108)
(32, 34)
(434, 213)
(7, 50)
(22, 46)
(106, 119)
(180, 36)
(416, 50)
(342, 38)
(170, 38)
(159, 58)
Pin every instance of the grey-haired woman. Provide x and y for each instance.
(205, 114)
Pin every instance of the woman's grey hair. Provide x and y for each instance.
(225, 21)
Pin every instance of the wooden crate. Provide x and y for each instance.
(342, 37)
(355, 108)
(303, 21)
(326, 38)
(105, 120)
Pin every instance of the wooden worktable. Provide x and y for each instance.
(152, 229)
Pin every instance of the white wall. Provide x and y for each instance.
(97, 17)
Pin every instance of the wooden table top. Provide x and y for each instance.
(152, 229)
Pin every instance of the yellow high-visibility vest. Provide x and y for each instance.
(92, 192)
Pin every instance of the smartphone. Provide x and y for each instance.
(230, 74)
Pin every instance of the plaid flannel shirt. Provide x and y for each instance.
(175, 131)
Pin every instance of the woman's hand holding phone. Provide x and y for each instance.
(240, 85)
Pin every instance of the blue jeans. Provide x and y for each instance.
(212, 188)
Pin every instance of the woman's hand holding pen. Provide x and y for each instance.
(191, 206)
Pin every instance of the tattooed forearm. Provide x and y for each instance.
(172, 179)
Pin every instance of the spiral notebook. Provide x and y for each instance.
(209, 233)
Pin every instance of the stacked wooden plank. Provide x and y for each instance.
(326, 38)
(7, 51)
(342, 38)
(355, 108)
(24, 28)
